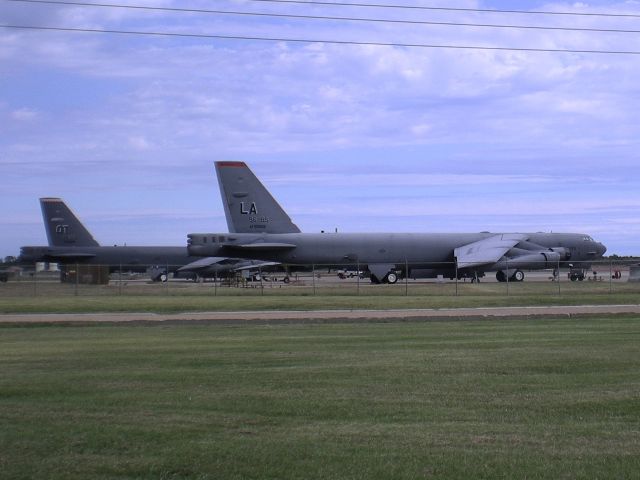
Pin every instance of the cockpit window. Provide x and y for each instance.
(587, 238)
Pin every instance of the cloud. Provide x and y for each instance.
(139, 143)
(24, 114)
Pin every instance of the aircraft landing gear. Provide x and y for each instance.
(517, 276)
(389, 278)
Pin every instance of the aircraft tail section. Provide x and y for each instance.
(63, 228)
(248, 205)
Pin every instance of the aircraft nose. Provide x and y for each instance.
(601, 249)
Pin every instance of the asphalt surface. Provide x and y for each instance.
(321, 316)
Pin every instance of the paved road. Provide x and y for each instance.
(319, 316)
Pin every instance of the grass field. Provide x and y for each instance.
(23, 297)
(486, 399)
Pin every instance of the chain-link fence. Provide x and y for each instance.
(438, 279)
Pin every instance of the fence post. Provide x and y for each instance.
(455, 263)
(75, 292)
(610, 276)
(559, 276)
(313, 274)
(406, 277)
(358, 277)
(507, 260)
(261, 284)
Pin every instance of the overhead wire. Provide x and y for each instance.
(447, 9)
(336, 18)
(324, 17)
(322, 41)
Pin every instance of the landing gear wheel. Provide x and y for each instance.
(501, 276)
(163, 277)
(392, 278)
(517, 276)
(375, 280)
(286, 279)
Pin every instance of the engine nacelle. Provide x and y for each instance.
(539, 260)
(563, 252)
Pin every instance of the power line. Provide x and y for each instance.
(448, 9)
(323, 17)
(330, 42)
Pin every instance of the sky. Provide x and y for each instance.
(354, 137)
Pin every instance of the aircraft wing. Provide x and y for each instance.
(203, 263)
(262, 246)
(488, 250)
(236, 264)
(256, 264)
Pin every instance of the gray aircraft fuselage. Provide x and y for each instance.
(133, 258)
(70, 243)
(250, 209)
(129, 256)
(373, 248)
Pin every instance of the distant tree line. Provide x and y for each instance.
(621, 258)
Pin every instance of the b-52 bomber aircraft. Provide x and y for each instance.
(71, 243)
(260, 229)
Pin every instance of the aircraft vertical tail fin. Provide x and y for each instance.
(63, 228)
(248, 205)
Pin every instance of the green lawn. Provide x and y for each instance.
(486, 399)
(24, 297)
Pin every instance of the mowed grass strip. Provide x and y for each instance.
(177, 302)
(178, 297)
(485, 399)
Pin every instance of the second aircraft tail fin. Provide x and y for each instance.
(248, 205)
(63, 228)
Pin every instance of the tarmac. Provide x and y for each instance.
(321, 316)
